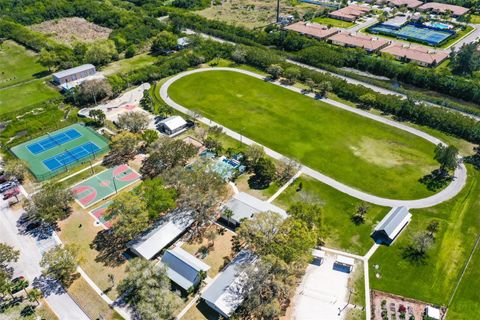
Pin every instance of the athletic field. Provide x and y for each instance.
(360, 152)
(103, 185)
(60, 150)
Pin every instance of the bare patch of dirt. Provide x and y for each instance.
(70, 30)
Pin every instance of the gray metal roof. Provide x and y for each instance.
(225, 293)
(182, 267)
(244, 205)
(67, 72)
(167, 229)
(394, 221)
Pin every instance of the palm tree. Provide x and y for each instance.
(34, 295)
(211, 235)
(228, 214)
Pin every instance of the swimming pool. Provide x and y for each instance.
(440, 25)
(414, 32)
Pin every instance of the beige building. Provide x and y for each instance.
(350, 13)
(353, 40)
(314, 30)
(420, 55)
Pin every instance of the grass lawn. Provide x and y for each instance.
(434, 278)
(218, 254)
(14, 312)
(79, 229)
(129, 64)
(474, 18)
(21, 96)
(466, 303)
(264, 194)
(333, 22)
(90, 302)
(17, 64)
(201, 311)
(367, 155)
(339, 231)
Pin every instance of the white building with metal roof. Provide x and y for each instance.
(391, 225)
(183, 268)
(73, 74)
(173, 126)
(227, 292)
(245, 206)
(167, 230)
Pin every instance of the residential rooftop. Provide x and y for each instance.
(312, 29)
(443, 8)
(417, 53)
(412, 4)
(359, 41)
(352, 12)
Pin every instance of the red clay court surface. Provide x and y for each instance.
(104, 184)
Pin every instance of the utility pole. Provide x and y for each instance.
(278, 11)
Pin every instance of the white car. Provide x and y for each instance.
(7, 185)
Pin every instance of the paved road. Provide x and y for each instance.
(450, 191)
(348, 79)
(471, 37)
(31, 251)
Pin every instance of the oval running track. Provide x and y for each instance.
(460, 174)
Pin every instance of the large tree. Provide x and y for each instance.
(123, 147)
(98, 116)
(15, 169)
(133, 121)
(264, 171)
(157, 197)
(147, 288)
(466, 60)
(50, 204)
(7, 255)
(101, 53)
(447, 156)
(199, 191)
(130, 215)
(294, 241)
(147, 102)
(166, 153)
(259, 232)
(164, 42)
(60, 263)
(93, 91)
(253, 154)
(310, 213)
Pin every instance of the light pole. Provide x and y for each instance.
(114, 185)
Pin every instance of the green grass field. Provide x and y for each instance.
(338, 230)
(18, 64)
(333, 22)
(24, 95)
(359, 152)
(129, 64)
(466, 303)
(434, 279)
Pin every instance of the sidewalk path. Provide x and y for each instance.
(449, 192)
(31, 251)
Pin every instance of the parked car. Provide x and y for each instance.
(19, 283)
(7, 185)
(11, 193)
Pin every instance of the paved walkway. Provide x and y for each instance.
(285, 186)
(31, 251)
(449, 192)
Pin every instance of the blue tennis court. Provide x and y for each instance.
(414, 32)
(53, 141)
(70, 156)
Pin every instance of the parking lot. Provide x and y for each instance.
(323, 292)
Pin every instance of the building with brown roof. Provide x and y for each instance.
(411, 4)
(418, 54)
(370, 44)
(437, 7)
(314, 30)
(350, 13)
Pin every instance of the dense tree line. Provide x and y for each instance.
(319, 53)
(437, 118)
